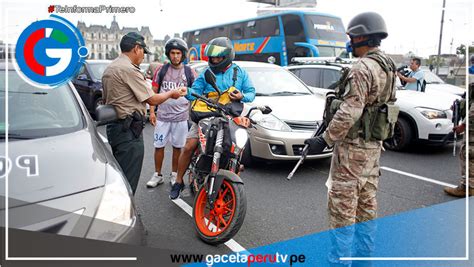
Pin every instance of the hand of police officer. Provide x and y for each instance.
(235, 95)
(175, 94)
(316, 144)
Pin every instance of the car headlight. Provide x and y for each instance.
(273, 123)
(241, 137)
(433, 113)
(115, 213)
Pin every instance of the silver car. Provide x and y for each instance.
(296, 113)
(62, 179)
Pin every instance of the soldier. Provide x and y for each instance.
(364, 115)
(126, 89)
(460, 190)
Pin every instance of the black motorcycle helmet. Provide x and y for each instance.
(368, 24)
(220, 47)
(176, 43)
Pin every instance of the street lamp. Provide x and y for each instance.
(440, 37)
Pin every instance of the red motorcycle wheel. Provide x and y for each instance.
(220, 224)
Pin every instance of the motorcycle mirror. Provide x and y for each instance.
(266, 110)
(211, 79)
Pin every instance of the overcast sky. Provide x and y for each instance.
(413, 25)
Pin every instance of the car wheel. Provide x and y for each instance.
(402, 136)
(247, 156)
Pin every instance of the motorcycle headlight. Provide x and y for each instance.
(432, 113)
(241, 137)
(273, 123)
(115, 213)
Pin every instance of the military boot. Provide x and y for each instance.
(459, 191)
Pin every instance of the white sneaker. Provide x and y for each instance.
(155, 180)
(173, 178)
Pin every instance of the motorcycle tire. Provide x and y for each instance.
(220, 224)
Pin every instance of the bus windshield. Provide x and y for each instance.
(325, 28)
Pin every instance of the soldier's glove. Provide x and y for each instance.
(316, 144)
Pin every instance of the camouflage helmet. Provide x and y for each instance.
(367, 24)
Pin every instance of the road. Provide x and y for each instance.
(280, 210)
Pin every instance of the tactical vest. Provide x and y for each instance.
(378, 120)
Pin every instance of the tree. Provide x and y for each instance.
(461, 50)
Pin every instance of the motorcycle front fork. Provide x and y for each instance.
(213, 183)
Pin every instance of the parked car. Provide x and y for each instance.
(424, 117)
(88, 83)
(436, 84)
(296, 113)
(65, 180)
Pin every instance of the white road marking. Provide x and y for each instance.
(426, 179)
(232, 244)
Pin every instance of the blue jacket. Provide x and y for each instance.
(224, 81)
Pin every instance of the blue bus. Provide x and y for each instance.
(276, 38)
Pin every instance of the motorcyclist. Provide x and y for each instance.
(230, 78)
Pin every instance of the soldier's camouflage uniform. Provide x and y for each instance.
(462, 154)
(354, 174)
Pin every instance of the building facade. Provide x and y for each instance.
(104, 42)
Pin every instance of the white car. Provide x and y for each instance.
(296, 113)
(424, 117)
(435, 84)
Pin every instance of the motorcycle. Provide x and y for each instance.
(220, 204)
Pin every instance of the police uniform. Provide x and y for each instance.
(126, 89)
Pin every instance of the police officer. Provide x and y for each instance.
(363, 106)
(126, 89)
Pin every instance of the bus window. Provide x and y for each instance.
(207, 35)
(237, 32)
(294, 33)
(196, 38)
(325, 28)
(269, 27)
(222, 31)
(251, 30)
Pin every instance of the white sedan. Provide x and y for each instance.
(424, 117)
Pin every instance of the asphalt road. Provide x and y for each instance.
(279, 209)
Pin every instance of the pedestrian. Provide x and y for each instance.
(365, 97)
(416, 79)
(171, 121)
(126, 89)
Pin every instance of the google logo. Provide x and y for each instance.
(50, 52)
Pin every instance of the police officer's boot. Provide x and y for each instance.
(459, 191)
